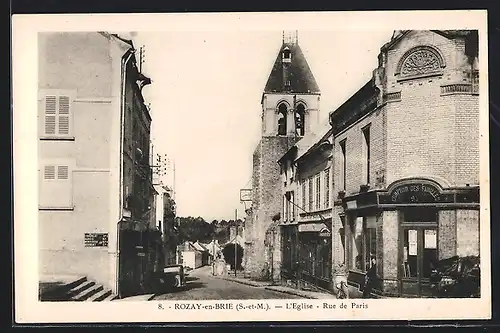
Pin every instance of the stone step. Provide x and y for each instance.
(60, 292)
(111, 297)
(88, 292)
(79, 288)
(101, 295)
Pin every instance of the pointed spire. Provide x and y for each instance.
(290, 37)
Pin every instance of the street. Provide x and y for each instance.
(202, 286)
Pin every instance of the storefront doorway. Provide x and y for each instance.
(418, 251)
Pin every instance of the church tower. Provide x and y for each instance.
(290, 110)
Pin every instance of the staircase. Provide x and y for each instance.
(79, 289)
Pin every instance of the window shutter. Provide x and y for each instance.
(62, 172)
(49, 172)
(50, 115)
(63, 115)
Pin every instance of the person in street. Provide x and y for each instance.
(370, 277)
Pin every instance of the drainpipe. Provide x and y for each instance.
(125, 59)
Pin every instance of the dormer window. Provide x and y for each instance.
(287, 55)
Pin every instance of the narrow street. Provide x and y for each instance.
(202, 286)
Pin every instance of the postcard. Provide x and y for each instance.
(235, 167)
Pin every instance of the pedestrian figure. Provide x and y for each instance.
(343, 291)
(370, 277)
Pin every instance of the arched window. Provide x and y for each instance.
(300, 120)
(282, 119)
(286, 54)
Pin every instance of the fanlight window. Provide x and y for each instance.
(421, 61)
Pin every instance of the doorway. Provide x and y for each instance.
(419, 254)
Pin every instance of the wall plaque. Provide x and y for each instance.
(96, 239)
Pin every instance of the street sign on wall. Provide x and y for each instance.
(96, 240)
(245, 195)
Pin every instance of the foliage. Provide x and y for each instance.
(229, 255)
(197, 229)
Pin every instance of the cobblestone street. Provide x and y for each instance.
(202, 286)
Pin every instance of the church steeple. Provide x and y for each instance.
(291, 72)
(290, 101)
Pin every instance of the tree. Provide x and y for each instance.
(229, 254)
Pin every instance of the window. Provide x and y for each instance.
(327, 188)
(284, 174)
(343, 162)
(318, 192)
(366, 155)
(300, 119)
(55, 185)
(311, 196)
(304, 194)
(363, 242)
(57, 115)
(286, 54)
(285, 206)
(292, 205)
(282, 111)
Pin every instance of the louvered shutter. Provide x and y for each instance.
(63, 127)
(50, 115)
(62, 172)
(49, 172)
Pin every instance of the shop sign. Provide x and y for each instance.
(415, 193)
(96, 240)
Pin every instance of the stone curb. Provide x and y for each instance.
(248, 283)
(291, 292)
(272, 288)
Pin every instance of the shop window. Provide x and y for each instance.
(363, 243)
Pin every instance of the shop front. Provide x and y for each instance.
(290, 253)
(315, 255)
(408, 228)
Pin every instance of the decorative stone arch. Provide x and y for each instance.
(303, 102)
(423, 60)
(438, 182)
(283, 101)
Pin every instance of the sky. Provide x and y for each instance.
(205, 102)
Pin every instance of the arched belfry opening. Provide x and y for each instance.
(282, 113)
(300, 120)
